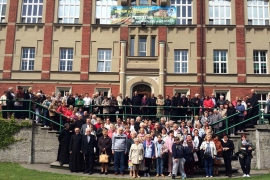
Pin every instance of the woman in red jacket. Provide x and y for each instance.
(62, 109)
(68, 113)
(208, 103)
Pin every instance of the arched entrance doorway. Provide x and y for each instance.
(142, 89)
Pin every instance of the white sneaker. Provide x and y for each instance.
(148, 175)
(247, 175)
(206, 176)
(170, 175)
(244, 175)
(144, 174)
(211, 176)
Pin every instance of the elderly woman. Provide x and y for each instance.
(141, 135)
(149, 149)
(106, 104)
(52, 109)
(160, 104)
(112, 131)
(105, 145)
(136, 154)
(219, 148)
(245, 149)
(129, 143)
(205, 118)
(46, 104)
(210, 152)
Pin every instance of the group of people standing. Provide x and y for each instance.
(142, 146)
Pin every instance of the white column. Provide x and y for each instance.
(161, 67)
(123, 68)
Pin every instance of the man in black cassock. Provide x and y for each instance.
(136, 101)
(64, 141)
(76, 157)
(152, 110)
(88, 144)
(175, 109)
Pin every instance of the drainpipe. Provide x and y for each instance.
(202, 50)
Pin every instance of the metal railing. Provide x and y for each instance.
(128, 112)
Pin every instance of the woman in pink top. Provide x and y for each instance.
(208, 103)
(111, 131)
(169, 142)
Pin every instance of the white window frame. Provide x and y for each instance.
(227, 92)
(101, 16)
(218, 19)
(108, 90)
(3, 15)
(66, 59)
(180, 61)
(220, 62)
(102, 58)
(142, 46)
(256, 7)
(260, 100)
(179, 7)
(182, 91)
(34, 18)
(28, 59)
(66, 17)
(58, 89)
(260, 62)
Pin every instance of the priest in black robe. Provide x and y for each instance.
(76, 156)
(64, 141)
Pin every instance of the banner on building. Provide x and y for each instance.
(135, 15)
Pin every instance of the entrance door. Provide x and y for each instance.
(142, 89)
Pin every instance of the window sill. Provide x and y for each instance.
(105, 25)
(143, 57)
(66, 72)
(219, 26)
(220, 74)
(68, 24)
(25, 71)
(255, 75)
(181, 74)
(257, 26)
(30, 24)
(3, 23)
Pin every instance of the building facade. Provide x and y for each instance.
(215, 46)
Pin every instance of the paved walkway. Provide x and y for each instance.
(46, 168)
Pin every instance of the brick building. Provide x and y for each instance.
(215, 46)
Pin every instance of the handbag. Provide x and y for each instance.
(234, 157)
(104, 158)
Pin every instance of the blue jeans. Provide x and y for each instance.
(208, 165)
(46, 115)
(159, 164)
(119, 157)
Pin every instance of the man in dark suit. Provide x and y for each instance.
(183, 104)
(174, 105)
(136, 101)
(89, 143)
(152, 110)
(254, 107)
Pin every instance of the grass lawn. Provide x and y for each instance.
(11, 171)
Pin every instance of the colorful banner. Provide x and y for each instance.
(135, 15)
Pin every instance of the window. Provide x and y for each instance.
(66, 59)
(259, 58)
(220, 62)
(182, 91)
(142, 46)
(69, 11)
(180, 61)
(258, 12)
(132, 43)
(103, 11)
(63, 90)
(153, 45)
(219, 12)
(183, 11)
(28, 59)
(104, 91)
(3, 5)
(143, 2)
(225, 93)
(104, 60)
(32, 11)
(262, 98)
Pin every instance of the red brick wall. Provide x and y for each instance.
(86, 38)
(49, 88)
(10, 38)
(47, 42)
(240, 40)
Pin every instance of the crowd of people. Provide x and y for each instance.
(178, 133)
(142, 146)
